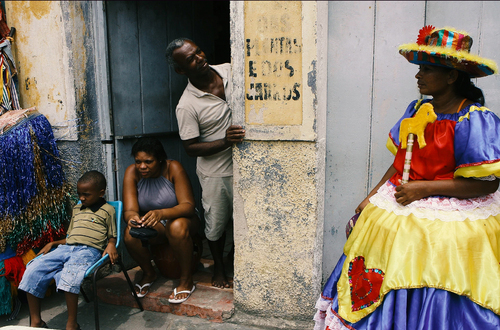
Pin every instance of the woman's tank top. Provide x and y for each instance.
(155, 193)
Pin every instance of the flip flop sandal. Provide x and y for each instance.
(178, 301)
(147, 285)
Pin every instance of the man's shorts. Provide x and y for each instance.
(66, 264)
(217, 201)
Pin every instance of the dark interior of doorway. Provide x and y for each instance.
(222, 35)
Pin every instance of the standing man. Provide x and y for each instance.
(204, 119)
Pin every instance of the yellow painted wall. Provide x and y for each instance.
(273, 74)
(278, 54)
(46, 66)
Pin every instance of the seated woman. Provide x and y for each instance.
(157, 194)
(424, 253)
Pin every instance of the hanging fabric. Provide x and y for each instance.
(9, 99)
(34, 190)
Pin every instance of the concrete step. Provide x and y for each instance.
(206, 301)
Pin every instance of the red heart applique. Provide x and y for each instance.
(365, 284)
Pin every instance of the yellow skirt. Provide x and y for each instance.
(443, 243)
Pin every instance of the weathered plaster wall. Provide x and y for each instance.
(279, 185)
(276, 228)
(54, 51)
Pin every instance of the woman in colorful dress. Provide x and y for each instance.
(425, 254)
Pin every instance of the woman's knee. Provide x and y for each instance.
(178, 229)
(128, 239)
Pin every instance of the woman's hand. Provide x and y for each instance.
(411, 191)
(362, 205)
(388, 174)
(457, 187)
(151, 218)
(134, 222)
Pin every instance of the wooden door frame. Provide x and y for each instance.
(103, 95)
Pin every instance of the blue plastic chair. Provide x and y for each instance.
(118, 205)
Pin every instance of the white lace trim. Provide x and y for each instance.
(333, 322)
(323, 304)
(319, 320)
(486, 178)
(325, 317)
(439, 208)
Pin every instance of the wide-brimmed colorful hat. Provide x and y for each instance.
(449, 48)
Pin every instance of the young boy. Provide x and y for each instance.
(91, 234)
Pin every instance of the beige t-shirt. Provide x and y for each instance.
(204, 115)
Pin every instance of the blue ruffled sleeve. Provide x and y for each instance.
(477, 144)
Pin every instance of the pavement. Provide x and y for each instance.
(207, 308)
(114, 317)
(206, 301)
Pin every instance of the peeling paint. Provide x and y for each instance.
(311, 82)
(45, 57)
(311, 77)
(53, 50)
(39, 9)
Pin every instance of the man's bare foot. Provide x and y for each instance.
(146, 278)
(219, 280)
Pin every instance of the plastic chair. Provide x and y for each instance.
(118, 205)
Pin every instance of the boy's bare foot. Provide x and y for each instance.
(39, 324)
(72, 326)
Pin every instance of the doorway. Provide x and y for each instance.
(144, 90)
